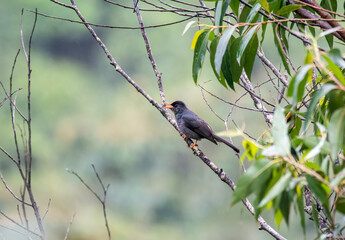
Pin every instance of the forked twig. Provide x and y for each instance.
(102, 199)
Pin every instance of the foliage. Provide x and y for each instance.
(299, 162)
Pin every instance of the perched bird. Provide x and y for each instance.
(192, 126)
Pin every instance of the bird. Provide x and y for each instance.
(192, 126)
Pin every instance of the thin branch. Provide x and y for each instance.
(18, 224)
(8, 155)
(102, 201)
(115, 27)
(149, 53)
(69, 226)
(28, 154)
(233, 104)
(11, 192)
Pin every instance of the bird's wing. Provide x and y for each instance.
(197, 125)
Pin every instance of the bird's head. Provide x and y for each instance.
(176, 107)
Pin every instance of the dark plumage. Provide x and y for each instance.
(193, 126)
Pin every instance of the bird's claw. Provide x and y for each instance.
(193, 144)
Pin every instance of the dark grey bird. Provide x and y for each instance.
(192, 126)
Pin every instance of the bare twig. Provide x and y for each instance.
(149, 52)
(11, 192)
(19, 225)
(69, 226)
(102, 200)
(28, 153)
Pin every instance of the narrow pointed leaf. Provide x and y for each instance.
(298, 85)
(213, 48)
(244, 43)
(188, 25)
(280, 132)
(265, 5)
(221, 48)
(335, 56)
(250, 55)
(315, 100)
(288, 9)
(318, 189)
(300, 206)
(199, 54)
(336, 128)
(195, 38)
(253, 180)
(252, 16)
(234, 5)
(235, 68)
(278, 188)
(221, 7)
(281, 51)
(335, 69)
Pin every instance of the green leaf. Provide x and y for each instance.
(317, 149)
(297, 85)
(213, 47)
(235, 68)
(244, 43)
(252, 17)
(254, 179)
(250, 148)
(300, 206)
(315, 215)
(288, 9)
(340, 204)
(243, 17)
(311, 141)
(265, 5)
(199, 54)
(330, 40)
(280, 132)
(263, 30)
(278, 217)
(226, 68)
(284, 205)
(278, 188)
(281, 51)
(294, 131)
(221, 48)
(221, 7)
(275, 5)
(234, 5)
(336, 129)
(318, 189)
(335, 69)
(339, 177)
(336, 100)
(253, 13)
(315, 100)
(250, 55)
(335, 56)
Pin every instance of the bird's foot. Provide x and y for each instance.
(184, 137)
(194, 144)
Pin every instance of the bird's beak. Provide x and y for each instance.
(168, 105)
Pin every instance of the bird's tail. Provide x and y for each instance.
(219, 139)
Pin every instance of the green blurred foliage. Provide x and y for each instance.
(83, 113)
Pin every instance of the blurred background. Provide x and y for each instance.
(84, 113)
